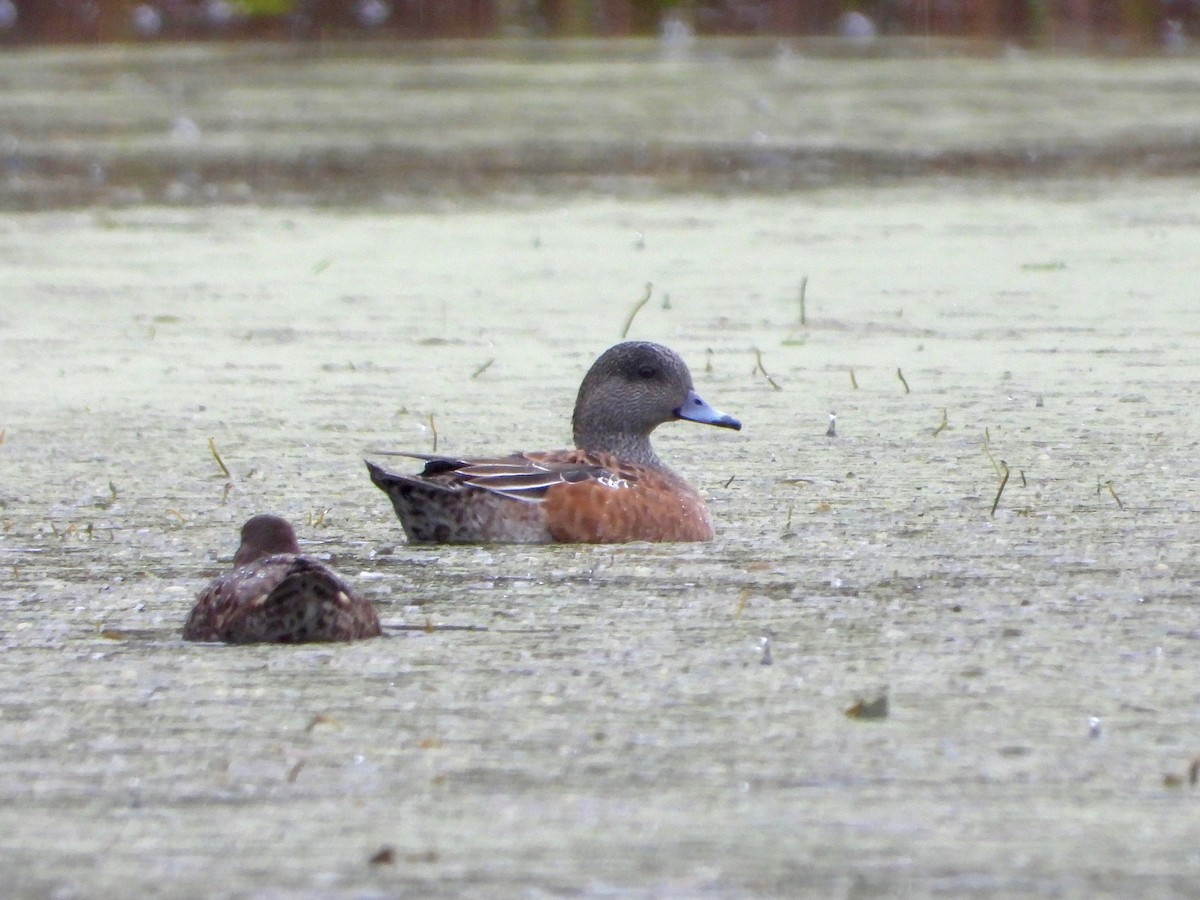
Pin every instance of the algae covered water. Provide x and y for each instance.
(642, 720)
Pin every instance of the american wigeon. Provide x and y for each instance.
(610, 489)
(274, 594)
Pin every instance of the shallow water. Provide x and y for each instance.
(600, 720)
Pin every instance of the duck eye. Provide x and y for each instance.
(646, 371)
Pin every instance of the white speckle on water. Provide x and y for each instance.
(185, 131)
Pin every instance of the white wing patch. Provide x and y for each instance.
(610, 480)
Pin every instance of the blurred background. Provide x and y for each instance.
(301, 230)
(1120, 26)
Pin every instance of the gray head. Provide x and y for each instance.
(628, 392)
(265, 536)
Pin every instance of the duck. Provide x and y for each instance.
(275, 594)
(611, 488)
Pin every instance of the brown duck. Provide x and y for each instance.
(611, 488)
(275, 594)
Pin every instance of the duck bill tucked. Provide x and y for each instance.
(696, 409)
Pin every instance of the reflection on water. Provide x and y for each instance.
(424, 123)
